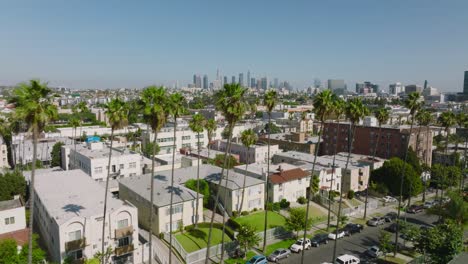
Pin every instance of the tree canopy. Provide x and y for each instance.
(204, 189)
(12, 183)
(56, 154)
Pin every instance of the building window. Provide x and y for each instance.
(197, 136)
(98, 170)
(185, 137)
(132, 165)
(299, 181)
(78, 254)
(175, 209)
(280, 186)
(175, 226)
(125, 241)
(121, 166)
(75, 235)
(122, 223)
(9, 220)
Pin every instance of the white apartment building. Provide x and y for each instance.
(12, 216)
(3, 154)
(23, 149)
(183, 211)
(93, 159)
(254, 154)
(69, 214)
(289, 184)
(93, 130)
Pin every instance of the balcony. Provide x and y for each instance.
(123, 232)
(119, 251)
(75, 244)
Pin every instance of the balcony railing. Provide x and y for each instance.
(123, 232)
(119, 251)
(75, 244)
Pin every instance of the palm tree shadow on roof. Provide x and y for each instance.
(73, 208)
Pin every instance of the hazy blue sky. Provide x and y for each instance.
(85, 44)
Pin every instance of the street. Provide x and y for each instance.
(355, 244)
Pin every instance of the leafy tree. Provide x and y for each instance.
(106, 256)
(343, 220)
(390, 175)
(441, 242)
(414, 161)
(274, 128)
(248, 138)
(456, 209)
(296, 220)
(56, 154)
(221, 161)
(147, 149)
(12, 183)
(384, 242)
(204, 189)
(315, 185)
(247, 237)
(9, 252)
(284, 204)
(411, 232)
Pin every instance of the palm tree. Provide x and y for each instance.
(34, 106)
(338, 109)
(74, 122)
(176, 109)
(197, 125)
(323, 106)
(355, 111)
(424, 118)
(253, 110)
(248, 138)
(413, 104)
(80, 108)
(270, 100)
(153, 100)
(231, 102)
(210, 126)
(117, 112)
(382, 116)
(447, 120)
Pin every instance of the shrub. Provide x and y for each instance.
(244, 213)
(284, 204)
(255, 209)
(301, 200)
(233, 224)
(350, 194)
(235, 214)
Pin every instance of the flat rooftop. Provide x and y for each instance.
(84, 150)
(69, 194)
(324, 161)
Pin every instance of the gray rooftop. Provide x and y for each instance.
(68, 194)
(324, 161)
(162, 190)
(210, 173)
(101, 153)
(10, 204)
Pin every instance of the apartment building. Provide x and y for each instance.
(12, 216)
(292, 141)
(183, 211)
(393, 140)
(289, 184)
(3, 154)
(22, 148)
(256, 153)
(69, 214)
(93, 159)
(230, 190)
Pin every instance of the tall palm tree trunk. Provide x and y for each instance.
(172, 191)
(198, 180)
(225, 211)
(32, 194)
(103, 250)
(239, 210)
(74, 154)
(463, 167)
(427, 165)
(216, 202)
(368, 179)
(322, 123)
(333, 173)
(395, 250)
(152, 199)
(352, 129)
(267, 196)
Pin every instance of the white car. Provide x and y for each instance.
(389, 199)
(298, 246)
(374, 252)
(333, 235)
(347, 259)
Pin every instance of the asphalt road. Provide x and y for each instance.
(355, 244)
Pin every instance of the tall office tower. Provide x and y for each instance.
(336, 84)
(233, 79)
(425, 85)
(198, 82)
(205, 81)
(217, 75)
(253, 82)
(225, 80)
(412, 88)
(241, 79)
(195, 80)
(259, 84)
(248, 79)
(264, 81)
(395, 88)
(275, 83)
(465, 83)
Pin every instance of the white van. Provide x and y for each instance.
(347, 259)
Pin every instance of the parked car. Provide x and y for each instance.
(350, 229)
(389, 199)
(300, 244)
(428, 204)
(258, 259)
(376, 221)
(319, 239)
(374, 252)
(393, 227)
(347, 259)
(278, 254)
(333, 235)
(390, 217)
(413, 209)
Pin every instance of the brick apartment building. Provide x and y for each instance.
(392, 142)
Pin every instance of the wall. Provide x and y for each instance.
(19, 216)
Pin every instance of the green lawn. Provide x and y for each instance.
(196, 239)
(257, 220)
(250, 254)
(315, 212)
(391, 260)
(281, 244)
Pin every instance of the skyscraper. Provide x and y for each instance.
(395, 88)
(233, 80)
(205, 81)
(264, 82)
(225, 80)
(197, 82)
(241, 79)
(336, 84)
(253, 82)
(275, 83)
(465, 83)
(248, 79)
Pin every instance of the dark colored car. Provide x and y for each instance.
(392, 228)
(413, 209)
(390, 217)
(319, 239)
(350, 229)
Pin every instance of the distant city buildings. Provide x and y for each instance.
(205, 82)
(465, 83)
(241, 79)
(395, 88)
(367, 87)
(338, 84)
(413, 88)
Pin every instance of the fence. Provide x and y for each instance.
(275, 233)
(371, 204)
